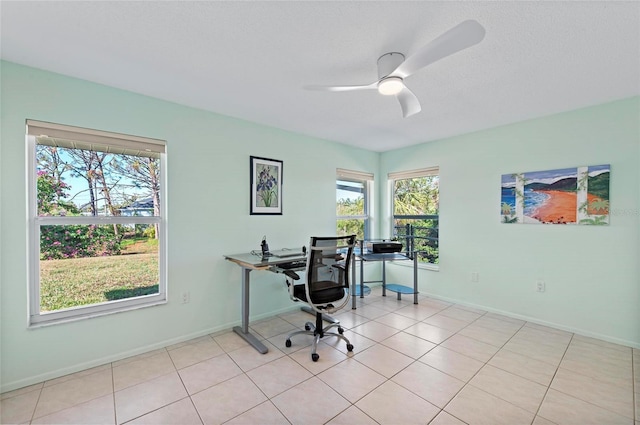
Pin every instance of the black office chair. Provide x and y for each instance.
(326, 289)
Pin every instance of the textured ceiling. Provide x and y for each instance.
(250, 60)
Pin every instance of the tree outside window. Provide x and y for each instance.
(416, 214)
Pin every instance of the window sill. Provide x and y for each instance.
(432, 267)
(90, 314)
(422, 266)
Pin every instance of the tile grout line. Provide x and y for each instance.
(635, 395)
(395, 374)
(465, 383)
(553, 377)
(634, 366)
(597, 380)
(440, 410)
(485, 364)
(184, 386)
(36, 405)
(353, 404)
(590, 377)
(113, 392)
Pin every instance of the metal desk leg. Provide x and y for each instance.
(353, 281)
(384, 279)
(361, 277)
(415, 278)
(243, 331)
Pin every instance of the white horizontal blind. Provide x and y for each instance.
(66, 136)
(353, 175)
(411, 174)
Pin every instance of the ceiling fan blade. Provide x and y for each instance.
(373, 85)
(409, 102)
(465, 34)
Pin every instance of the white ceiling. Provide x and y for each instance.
(250, 60)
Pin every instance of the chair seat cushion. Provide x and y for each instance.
(324, 292)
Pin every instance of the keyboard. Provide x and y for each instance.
(301, 264)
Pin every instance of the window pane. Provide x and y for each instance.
(350, 198)
(417, 196)
(89, 264)
(415, 206)
(96, 219)
(351, 227)
(420, 235)
(73, 182)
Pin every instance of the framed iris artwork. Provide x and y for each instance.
(266, 186)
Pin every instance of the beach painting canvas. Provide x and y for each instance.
(577, 195)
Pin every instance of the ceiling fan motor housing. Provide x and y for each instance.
(388, 63)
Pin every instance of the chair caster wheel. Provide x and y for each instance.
(287, 343)
(307, 328)
(349, 347)
(340, 331)
(315, 357)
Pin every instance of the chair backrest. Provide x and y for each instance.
(327, 272)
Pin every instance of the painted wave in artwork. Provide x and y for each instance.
(532, 200)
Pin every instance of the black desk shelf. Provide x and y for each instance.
(364, 255)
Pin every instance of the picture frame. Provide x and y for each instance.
(265, 186)
(570, 196)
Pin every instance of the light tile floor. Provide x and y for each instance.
(431, 363)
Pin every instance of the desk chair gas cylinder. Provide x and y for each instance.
(326, 289)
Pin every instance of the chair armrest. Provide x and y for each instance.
(339, 266)
(293, 275)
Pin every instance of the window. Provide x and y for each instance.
(415, 211)
(353, 198)
(97, 226)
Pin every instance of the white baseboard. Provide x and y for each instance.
(10, 386)
(537, 321)
(35, 379)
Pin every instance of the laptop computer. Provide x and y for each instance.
(285, 253)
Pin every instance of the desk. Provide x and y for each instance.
(364, 255)
(247, 263)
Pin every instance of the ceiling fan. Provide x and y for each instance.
(393, 68)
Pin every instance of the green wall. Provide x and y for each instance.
(208, 216)
(591, 272)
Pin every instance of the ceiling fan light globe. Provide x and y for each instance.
(390, 86)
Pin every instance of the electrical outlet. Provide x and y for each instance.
(540, 286)
(186, 297)
(475, 277)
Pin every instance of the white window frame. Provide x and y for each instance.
(367, 180)
(83, 138)
(402, 175)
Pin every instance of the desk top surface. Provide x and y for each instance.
(250, 260)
